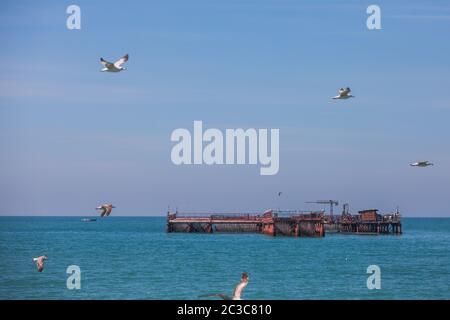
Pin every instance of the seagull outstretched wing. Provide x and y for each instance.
(40, 262)
(106, 209)
(118, 64)
(344, 91)
(107, 64)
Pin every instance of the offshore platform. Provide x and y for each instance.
(292, 223)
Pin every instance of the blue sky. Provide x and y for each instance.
(72, 137)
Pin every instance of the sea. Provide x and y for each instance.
(134, 258)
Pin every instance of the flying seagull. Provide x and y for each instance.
(279, 193)
(344, 93)
(421, 164)
(237, 290)
(40, 262)
(114, 67)
(106, 209)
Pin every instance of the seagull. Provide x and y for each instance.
(237, 290)
(344, 93)
(279, 193)
(106, 209)
(40, 262)
(114, 67)
(421, 164)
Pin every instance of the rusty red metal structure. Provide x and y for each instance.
(273, 223)
(292, 223)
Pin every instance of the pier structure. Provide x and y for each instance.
(273, 223)
(369, 222)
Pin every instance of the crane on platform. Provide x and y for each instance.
(345, 210)
(332, 203)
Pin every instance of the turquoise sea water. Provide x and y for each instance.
(133, 258)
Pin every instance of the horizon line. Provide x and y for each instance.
(148, 216)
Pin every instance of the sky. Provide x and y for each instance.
(72, 137)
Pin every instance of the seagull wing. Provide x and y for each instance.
(343, 92)
(238, 290)
(40, 264)
(104, 210)
(108, 210)
(118, 64)
(107, 64)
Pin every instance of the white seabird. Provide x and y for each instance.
(237, 290)
(40, 262)
(421, 164)
(114, 67)
(106, 209)
(344, 93)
